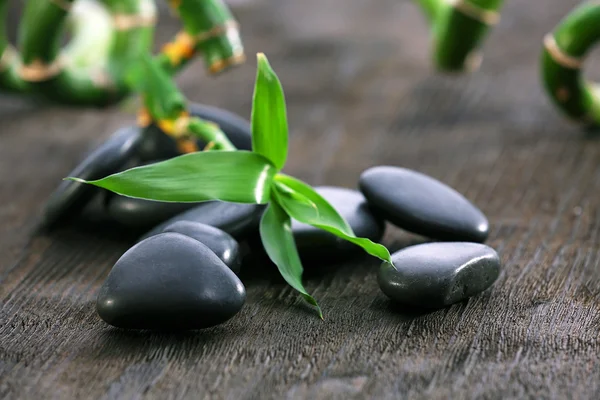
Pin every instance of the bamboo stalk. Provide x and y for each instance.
(562, 60)
(459, 28)
(209, 28)
(92, 70)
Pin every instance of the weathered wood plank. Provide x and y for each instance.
(360, 93)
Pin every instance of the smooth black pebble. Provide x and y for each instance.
(423, 205)
(221, 243)
(435, 275)
(170, 282)
(351, 205)
(157, 145)
(71, 197)
(238, 220)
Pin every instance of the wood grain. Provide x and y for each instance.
(361, 92)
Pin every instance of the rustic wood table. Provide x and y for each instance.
(361, 92)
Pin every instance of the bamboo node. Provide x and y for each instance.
(488, 17)
(177, 128)
(38, 71)
(126, 22)
(220, 65)
(181, 48)
(559, 56)
(144, 118)
(218, 30)
(186, 146)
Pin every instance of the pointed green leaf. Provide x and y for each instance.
(278, 241)
(235, 176)
(325, 217)
(269, 119)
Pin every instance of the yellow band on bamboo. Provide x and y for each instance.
(559, 55)
(217, 30)
(144, 118)
(220, 65)
(482, 15)
(177, 127)
(7, 58)
(38, 71)
(125, 22)
(183, 47)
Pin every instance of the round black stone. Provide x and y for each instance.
(157, 145)
(221, 243)
(422, 205)
(351, 205)
(71, 197)
(170, 282)
(238, 220)
(435, 275)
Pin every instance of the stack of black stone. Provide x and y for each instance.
(182, 273)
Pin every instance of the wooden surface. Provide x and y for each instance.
(360, 93)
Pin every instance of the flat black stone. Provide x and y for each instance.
(170, 282)
(435, 275)
(238, 220)
(351, 205)
(157, 145)
(422, 205)
(221, 243)
(71, 197)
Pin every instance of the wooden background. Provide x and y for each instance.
(361, 92)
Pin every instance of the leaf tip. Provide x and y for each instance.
(74, 179)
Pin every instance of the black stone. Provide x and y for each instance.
(170, 282)
(238, 220)
(143, 214)
(221, 243)
(422, 205)
(140, 213)
(157, 145)
(434, 275)
(351, 205)
(71, 197)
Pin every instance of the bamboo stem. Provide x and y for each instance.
(562, 60)
(92, 69)
(209, 28)
(459, 28)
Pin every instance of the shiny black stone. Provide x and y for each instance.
(71, 197)
(170, 282)
(238, 220)
(351, 205)
(221, 243)
(422, 205)
(435, 275)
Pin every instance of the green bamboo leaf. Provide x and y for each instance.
(278, 241)
(269, 119)
(235, 176)
(326, 217)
